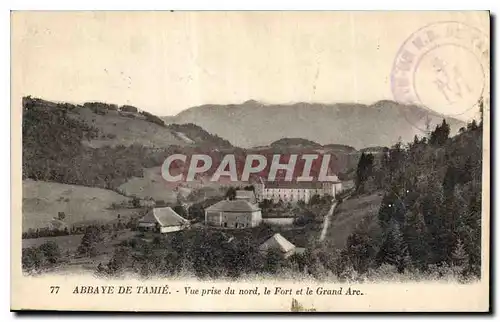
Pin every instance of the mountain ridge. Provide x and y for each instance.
(253, 123)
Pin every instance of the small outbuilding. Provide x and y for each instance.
(164, 220)
(279, 243)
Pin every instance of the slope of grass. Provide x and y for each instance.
(116, 128)
(151, 185)
(43, 200)
(348, 215)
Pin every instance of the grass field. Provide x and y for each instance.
(43, 200)
(152, 185)
(127, 130)
(348, 215)
(66, 243)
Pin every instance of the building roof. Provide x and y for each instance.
(277, 242)
(165, 216)
(238, 205)
(248, 195)
(57, 224)
(296, 185)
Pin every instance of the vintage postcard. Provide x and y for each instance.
(250, 161)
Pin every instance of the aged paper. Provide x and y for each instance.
(250, 161)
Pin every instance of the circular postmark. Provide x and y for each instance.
(443, 67)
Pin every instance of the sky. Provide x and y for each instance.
(166, 62)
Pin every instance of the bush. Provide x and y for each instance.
(153, 118)
(33, 259)
(51, 251)
(128, 108)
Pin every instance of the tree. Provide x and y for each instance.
(315, 200)
(392, 209)
(231, 193)
(119, 261)
(128, 108)
(394, 250)
(136, 202)
(61, 215)
(249, 188)
(364, 170)
(32, 259)
(440, 135)
(415, 140)
(273, 261)
(90, 240)
(358, 252)
(459, 256)
(180, 210)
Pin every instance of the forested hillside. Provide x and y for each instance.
(57, 145)
(431, 211)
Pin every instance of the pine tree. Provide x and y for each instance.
(90, 240)
(416, 236)
(364, 169)
(440, 135)
(394, 250)
(459, 256)
(360, 250)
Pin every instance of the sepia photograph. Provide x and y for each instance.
(259, 161)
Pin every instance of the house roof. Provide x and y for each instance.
(57, 224)
(165, 216)
(246, 194)
(238, 205)
(277, 242)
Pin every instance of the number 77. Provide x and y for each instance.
(54, 289)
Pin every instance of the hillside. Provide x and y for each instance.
(116, 128)
(253, 124)
(42, 201)
(193, 134)
(349, 215)
(98, 144)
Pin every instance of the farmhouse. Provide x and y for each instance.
(293, 191)
(279, 243)
(164, 220)
(57, 224)
(233, 214)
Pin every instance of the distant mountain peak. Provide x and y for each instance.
(287, 142)
(252, 102)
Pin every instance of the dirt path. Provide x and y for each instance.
(328, 217)
(326, 222)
